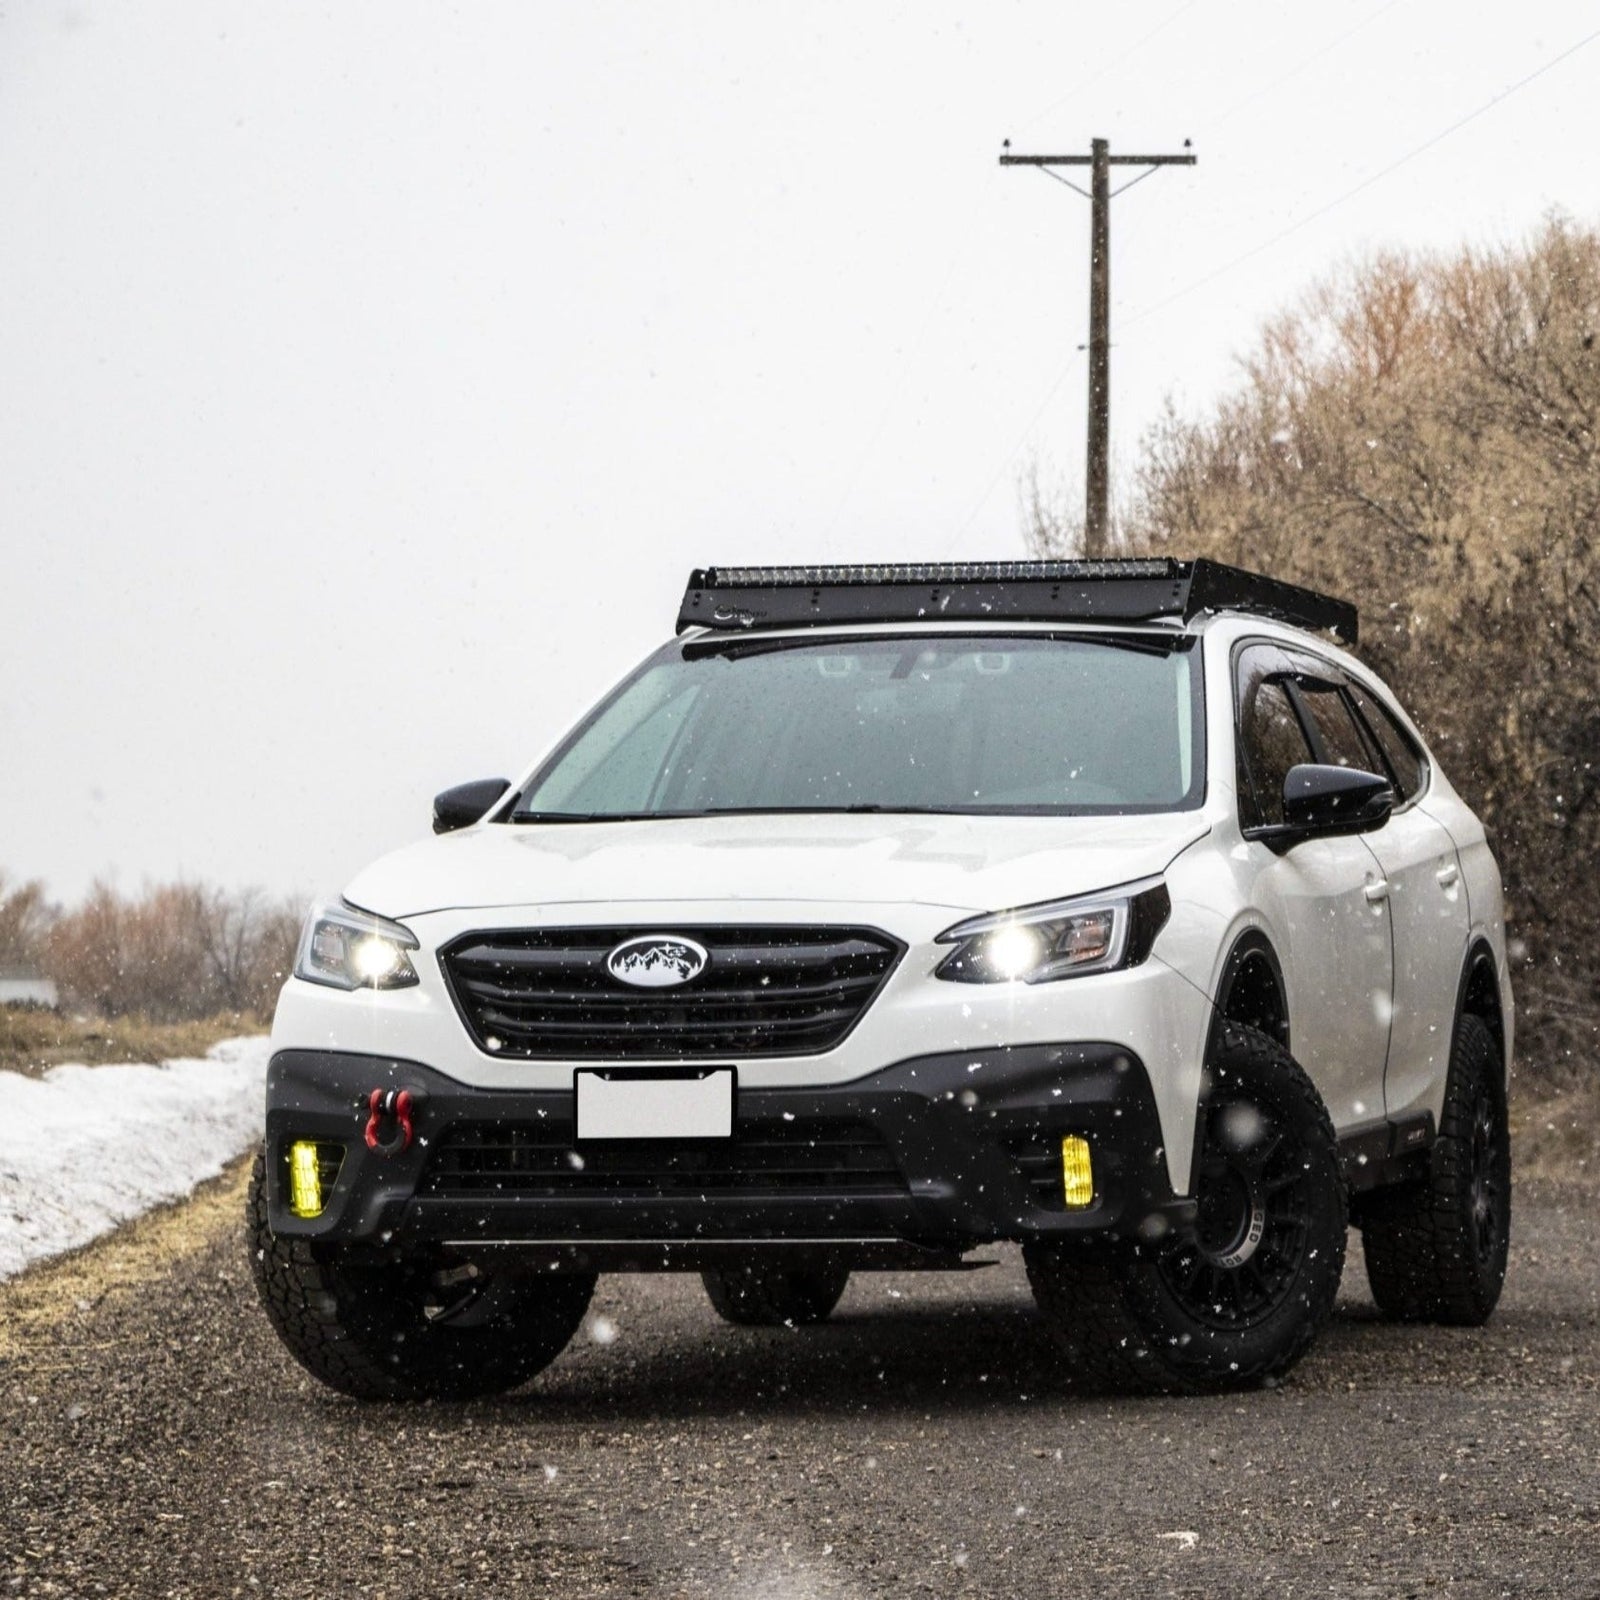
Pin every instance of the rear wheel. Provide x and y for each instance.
(1239, 1298)
(1436, 1249)
(420, 1326)
(770, 1296)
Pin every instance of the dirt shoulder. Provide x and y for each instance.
(32, 1041)
(119, 1266)
(1555, 1131)
(156, 1441)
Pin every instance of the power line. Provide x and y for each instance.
(1229, 112)
(958, 260)
(1366, 183)
(1011, 455)
(1110, 67)
(1274, 239)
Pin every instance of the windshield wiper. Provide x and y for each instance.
(863, 809)
(585, 816)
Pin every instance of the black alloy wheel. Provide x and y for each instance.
(383, 1325)
(1253, 1225)
(1437, 1247)
(1239, 1298)
(1490, 1180)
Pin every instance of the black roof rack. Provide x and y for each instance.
(744, 598)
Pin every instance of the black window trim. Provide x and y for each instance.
(1251, 830)
(1306, 663)
(1329, 672)
(1416, 746)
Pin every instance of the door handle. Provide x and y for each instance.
(1378, 891)
(1447, 876)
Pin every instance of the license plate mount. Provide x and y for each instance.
(613, 1104)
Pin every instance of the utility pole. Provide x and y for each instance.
(1100, 161)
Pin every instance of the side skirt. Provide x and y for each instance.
(1378, 1154)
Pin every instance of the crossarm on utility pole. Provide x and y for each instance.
(1009, 160)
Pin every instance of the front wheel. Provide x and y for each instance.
(1238, 1298)
(416, 1327)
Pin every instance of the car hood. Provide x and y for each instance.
(966, 863)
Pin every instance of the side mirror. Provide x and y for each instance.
(1319, 799)
(465, 804)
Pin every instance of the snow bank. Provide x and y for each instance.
(84, 1148)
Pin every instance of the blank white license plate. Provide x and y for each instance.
(621, 1107)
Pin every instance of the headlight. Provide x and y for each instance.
(1060, 939)
(353, 949)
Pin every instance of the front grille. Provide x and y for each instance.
(528, 1161)
(546, 992)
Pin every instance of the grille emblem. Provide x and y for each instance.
(657, 961)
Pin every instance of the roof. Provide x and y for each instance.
(749, 598)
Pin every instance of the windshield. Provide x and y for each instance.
(993, 723)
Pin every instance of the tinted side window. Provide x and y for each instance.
(1342, 741)
(1405, 760)
(1271, 741)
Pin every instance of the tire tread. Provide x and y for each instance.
(1421, 1262)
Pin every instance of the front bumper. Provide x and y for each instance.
(937, 1153)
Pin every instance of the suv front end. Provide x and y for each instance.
(903, 1079)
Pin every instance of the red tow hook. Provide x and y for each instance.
(384, 1105)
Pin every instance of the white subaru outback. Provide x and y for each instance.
(887, 912)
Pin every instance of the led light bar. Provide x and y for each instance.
(939, 572)
(749, 598)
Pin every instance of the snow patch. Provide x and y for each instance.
(85, 1148)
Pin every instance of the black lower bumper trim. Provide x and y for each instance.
(696, 1255)
(941, 1152)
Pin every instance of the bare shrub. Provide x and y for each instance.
(1420, 435)
(176, 951)
(25, 916)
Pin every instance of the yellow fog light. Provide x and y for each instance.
(1077, 1173)
(305, 1179)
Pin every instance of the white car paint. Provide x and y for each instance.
(1372, 1031)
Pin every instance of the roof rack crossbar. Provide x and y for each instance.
(743, 599)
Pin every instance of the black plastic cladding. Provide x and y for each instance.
(951, 1149)
(748, 598)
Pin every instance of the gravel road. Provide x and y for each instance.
(155, 1441)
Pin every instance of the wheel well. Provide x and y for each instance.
(1480, 995)
(1252, 990)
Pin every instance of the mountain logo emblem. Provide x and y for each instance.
(657, 961)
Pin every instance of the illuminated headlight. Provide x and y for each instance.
(1060, 939)
(352, 949)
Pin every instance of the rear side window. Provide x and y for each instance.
(1343, 742)
(1271, 741)
(1405, 759)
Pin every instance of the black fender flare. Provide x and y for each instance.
(1480, 959)
(1251, 946)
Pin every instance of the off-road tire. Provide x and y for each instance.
(354, 1318)
(773, 1296)
(1436, 1249)
(1172, 1314)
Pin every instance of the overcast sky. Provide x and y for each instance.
(371, 376)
